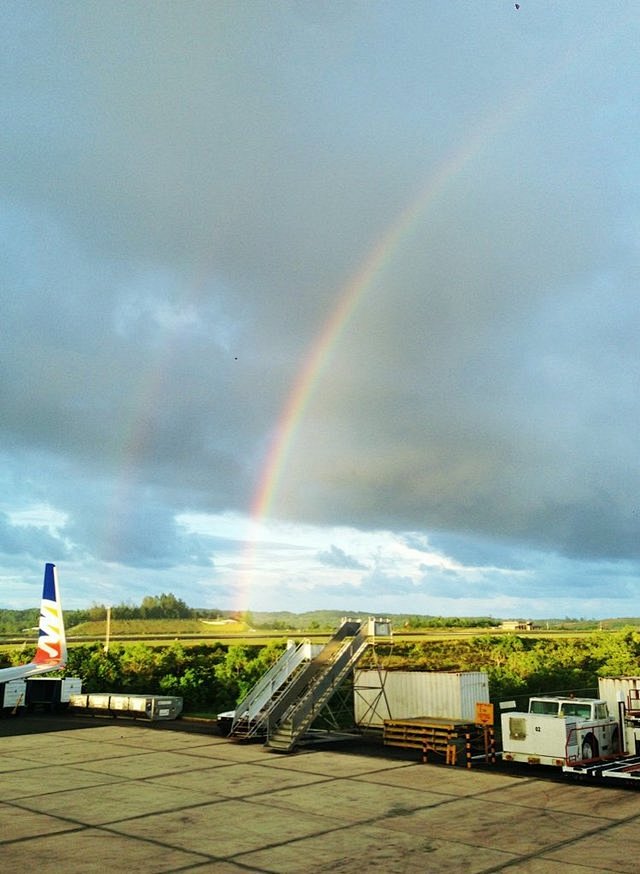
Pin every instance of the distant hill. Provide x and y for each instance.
(612, 624)
(326, 620)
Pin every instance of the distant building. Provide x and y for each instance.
(516, 625)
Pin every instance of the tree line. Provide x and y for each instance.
(212, 678)
(163, 606)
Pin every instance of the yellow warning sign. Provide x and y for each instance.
(484, 713)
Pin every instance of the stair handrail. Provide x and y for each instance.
(254, 701)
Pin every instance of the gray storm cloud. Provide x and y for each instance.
(186, 191)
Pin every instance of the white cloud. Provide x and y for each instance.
(39, 516)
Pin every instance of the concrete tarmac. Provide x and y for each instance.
(91, 795)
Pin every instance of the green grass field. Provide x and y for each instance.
(160, 627)
(191, 632)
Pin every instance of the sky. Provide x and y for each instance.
(322, 305)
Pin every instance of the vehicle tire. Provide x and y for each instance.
(615, 740)
(589, 747)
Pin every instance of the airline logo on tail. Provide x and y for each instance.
(51, 652)
(51, 642)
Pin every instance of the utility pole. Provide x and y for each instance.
(108, 632)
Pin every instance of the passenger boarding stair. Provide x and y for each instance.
(302, 700)
(253, 713)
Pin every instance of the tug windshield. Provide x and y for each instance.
(548, 708)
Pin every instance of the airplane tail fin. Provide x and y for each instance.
(52, 644)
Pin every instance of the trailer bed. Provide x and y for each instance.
(627, 768)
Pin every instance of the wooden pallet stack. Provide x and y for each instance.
(447, 740)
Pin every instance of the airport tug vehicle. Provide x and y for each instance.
(560, 732)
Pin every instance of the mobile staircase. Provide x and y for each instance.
(253, 713)
(286, 700)
(304, 699)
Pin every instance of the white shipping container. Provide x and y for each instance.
(380, 695)
(616, 689)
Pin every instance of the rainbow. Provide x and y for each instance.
(352, 294)
(320, 353)
(327, 339)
